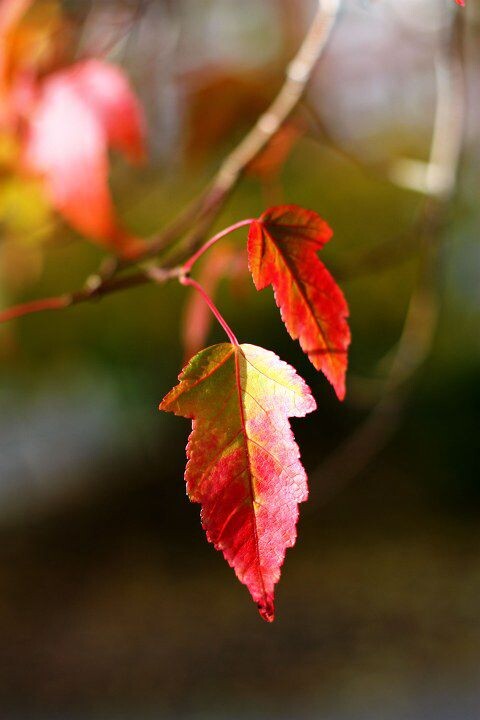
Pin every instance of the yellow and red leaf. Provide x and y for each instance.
(243, 462)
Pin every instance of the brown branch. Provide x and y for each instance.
(201, 212)
(93, 290)
(29, 308)
(204, 209)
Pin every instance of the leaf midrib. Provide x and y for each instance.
(250, 479)
(292, 270)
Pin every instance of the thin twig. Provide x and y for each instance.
(185, 280)
(187, 266)
(93, 290)
(201, 212)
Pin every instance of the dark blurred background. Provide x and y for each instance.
(112, 603)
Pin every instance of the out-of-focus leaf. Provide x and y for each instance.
(24, 209)
(106, 90)
(220, 102)
(80, 112)
(21, 264)
(270, 161)
(9, 151)
(32, 36)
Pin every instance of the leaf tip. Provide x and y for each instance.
(267, 610)
(340, 390)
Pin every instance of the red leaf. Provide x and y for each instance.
(282, 251)
(243, 462)
(80, 112)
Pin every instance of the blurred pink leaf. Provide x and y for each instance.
(81, 112)
(110, 96)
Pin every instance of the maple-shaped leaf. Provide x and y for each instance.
(243, 462)
(282, 251)
(81, 112)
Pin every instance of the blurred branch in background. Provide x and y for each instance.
(201, 213)
(437, 180)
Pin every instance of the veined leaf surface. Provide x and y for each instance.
(243, 462)
(282, 251)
